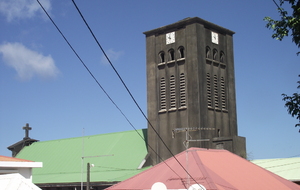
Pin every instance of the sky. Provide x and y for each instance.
(43, 83)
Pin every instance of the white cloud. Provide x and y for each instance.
(28, 63)
(22, 9)
(112, 55)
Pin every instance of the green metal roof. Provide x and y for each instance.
(288, 168)
(62, 159)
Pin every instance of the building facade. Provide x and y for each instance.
(191, 89)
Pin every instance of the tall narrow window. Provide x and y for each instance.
(222, 57)
(162, 57)
(172, 92)
(163, 103)
(223, 96)
(207, 52)
(181, 52)
(216, 95)
(215, 54)
(182, 90)
(171, 55)
(208, 88)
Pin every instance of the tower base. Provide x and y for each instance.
(234, 144)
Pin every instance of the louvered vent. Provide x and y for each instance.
(208, 88)
(223, 97)
(172, 92)
(182, 90)
(216, 96)
(163, 102)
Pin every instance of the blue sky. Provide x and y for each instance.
(44, 84)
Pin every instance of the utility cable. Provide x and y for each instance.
(278, 7)
(100, 84)
(84, 63)
(132, 97)
(276, 166)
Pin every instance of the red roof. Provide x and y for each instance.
(11, 159)
(214, 169)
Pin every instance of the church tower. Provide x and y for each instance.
(191, 89)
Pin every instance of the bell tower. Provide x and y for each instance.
(191, 87)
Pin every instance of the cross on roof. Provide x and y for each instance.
(27, 128)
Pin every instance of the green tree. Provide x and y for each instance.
(289, 24)
(293, 104)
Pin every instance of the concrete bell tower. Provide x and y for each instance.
(191, 89)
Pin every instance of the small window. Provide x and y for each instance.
(181, 52)
(171, 55)
(162, 57)
(207, 52)
(215, 54)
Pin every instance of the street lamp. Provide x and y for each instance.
(88, 167)
(88, 175)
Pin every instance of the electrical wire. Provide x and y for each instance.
(77, 55)
(276, 5)
(129, 92)
(279, 8)
(84, 63)
(287, 164)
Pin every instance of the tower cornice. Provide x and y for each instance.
(188, 21)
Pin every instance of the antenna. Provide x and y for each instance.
(82, 156)
(186, 143)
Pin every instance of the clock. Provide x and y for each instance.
(214, 38)
(170, 37)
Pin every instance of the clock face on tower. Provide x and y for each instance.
(170, 37)
(214, 38)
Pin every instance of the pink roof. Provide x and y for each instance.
(11, 159)
(214, 169)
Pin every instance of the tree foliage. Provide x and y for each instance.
(293, 104)
(289, 24)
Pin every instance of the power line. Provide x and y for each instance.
(276, 5)
(84, 63)
(275, 166)
(100, 84)
(127, 88)
(279, 8)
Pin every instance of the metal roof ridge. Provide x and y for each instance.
(70, 138)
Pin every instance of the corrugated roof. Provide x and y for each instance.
(211, 168)
(11, 159)
(62, 161)
(288, 168)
